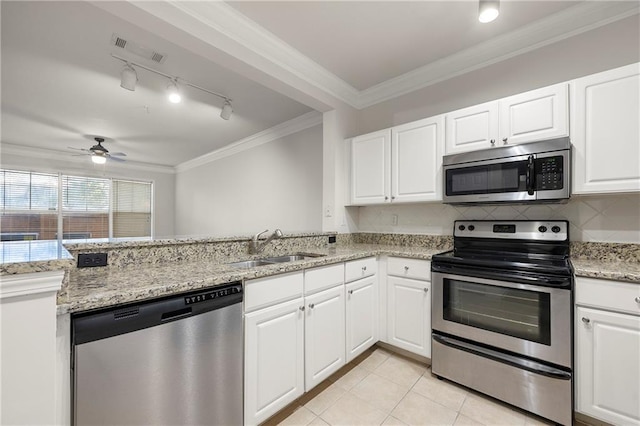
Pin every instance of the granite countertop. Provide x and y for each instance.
(22, 257)
(92, 289)
(610, 270)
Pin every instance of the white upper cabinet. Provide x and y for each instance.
(605, 131)
(416, 155)
(525, 117)
(472, 128)
(535, 115)
(370, 168)
(401, 164)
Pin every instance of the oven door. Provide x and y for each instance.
(526, 319)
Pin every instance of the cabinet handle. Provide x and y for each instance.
(425, 290)
(364, 268)
(586, 320)
(311, 305)
(637, 299)
(350, 291)
(386, 198)
(504, 140)
(406, 269)
(493, 142)
(302, 308)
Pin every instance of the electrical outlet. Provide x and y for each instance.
(90, 260)
(332, 239)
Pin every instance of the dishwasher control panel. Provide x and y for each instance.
(213, 294)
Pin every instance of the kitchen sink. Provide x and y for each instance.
(273, 260)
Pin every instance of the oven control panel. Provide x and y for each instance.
(553, 230)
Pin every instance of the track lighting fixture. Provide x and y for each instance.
(489, 10)
(173, 92)
(227, 109)
(129, 78)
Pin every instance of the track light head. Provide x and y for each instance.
(128, 77)
(173, 92)
(227, 110)
(489, 10)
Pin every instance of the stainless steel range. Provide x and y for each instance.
(502, 314)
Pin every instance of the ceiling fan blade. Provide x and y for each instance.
(111, 157)
(79, 155)
(119, 154)
(78, 149)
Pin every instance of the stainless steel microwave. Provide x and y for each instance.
(531, 172)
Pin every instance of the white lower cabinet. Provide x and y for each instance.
(274, 359)
(362, 315)
(409, 305)
(608, 350)
(324, 339)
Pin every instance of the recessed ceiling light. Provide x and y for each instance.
(489, 10)
(173, 92)
(227, 109)
(128, 77)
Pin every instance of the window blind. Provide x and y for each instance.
(85, 207)
(131, 209)
(29, 203)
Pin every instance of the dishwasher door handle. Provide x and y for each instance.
(180, 313)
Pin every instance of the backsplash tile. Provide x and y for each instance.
(610, 218)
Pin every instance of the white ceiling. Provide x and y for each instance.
(368, 42)
(60, 84)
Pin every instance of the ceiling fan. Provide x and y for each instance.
(99, 154)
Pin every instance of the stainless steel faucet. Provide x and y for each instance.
(257, 246)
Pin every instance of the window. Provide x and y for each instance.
(40, 206)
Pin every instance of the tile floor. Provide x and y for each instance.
(386, 388)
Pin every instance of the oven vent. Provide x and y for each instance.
(137, 49)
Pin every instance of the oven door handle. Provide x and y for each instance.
(525, 364)
(527, 279)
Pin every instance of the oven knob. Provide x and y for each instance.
(555, 229)
(461, 227)
(542, 228)
(471, 227)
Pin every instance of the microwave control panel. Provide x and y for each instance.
(549, 173)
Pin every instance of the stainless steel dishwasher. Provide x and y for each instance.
(170, 361)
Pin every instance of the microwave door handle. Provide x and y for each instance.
(530, 175)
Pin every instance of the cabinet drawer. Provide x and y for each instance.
(266, 291)
(324, 277)
(607, 294)
(361, 268)
(409, 268)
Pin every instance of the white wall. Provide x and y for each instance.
(601, 49)
(274, 185)
(163, 180)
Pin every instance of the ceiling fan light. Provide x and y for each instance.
(488, 11)
(227, 110)
(98, 159)
(173, 93)
(128, 78)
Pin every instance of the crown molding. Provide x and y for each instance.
(281, 130)
(227, 21)
(562, 25)
(50, 154)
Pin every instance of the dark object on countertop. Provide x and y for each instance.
(90, 260)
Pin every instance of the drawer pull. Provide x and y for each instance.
(406, 269)
(311, 305)
(364, 268)
(586, 320)
(350, 291)
(425, 289)
(301, 308)
(637, 299)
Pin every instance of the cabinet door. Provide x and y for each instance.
(409, 315)
(607, 366)
(604, 131)
(324, 335)
(370, 168)
(274, 359)
(416, 160)
(535, 115)
(362, 316)
(472, 128)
